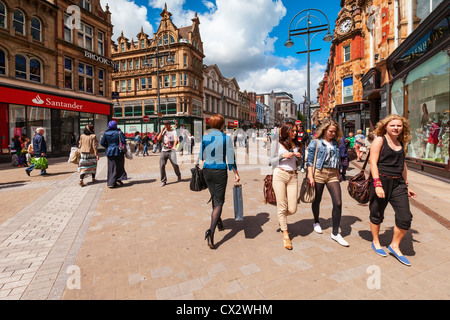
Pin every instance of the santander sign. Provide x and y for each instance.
(29, 98)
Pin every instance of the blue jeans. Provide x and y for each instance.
(31, 168)
(145, 149)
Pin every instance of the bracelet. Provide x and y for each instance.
(377, 182)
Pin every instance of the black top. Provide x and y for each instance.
(391, 162)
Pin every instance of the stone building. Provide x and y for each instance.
(175, 56)
(54, 70)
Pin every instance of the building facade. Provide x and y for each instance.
(286, 108)
(159, 78)
(221, 96)
(54, 70)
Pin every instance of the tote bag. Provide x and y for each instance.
(198, 182)
(308, 193)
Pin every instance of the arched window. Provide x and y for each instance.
(3, 15)
(19, 21)
(28, 68)
(21, 67)
(36, 29)
(2, 62)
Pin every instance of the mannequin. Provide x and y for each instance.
(433, 138)
(442, 146)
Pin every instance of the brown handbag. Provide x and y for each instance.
(269, 194)
(307, 192)
(358, 186)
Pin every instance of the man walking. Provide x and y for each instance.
(39, 149)
(169, 141)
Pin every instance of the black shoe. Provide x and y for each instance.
(28, 172)
(210, 238)
(220, 225)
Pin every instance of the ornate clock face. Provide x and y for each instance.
(345, 26)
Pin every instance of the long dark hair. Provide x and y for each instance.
(285, 130)
(89, 129)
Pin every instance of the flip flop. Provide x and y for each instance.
(402, 259)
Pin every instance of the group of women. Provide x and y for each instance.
(388, 178)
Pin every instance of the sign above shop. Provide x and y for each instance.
(38, 99)
(100, 59)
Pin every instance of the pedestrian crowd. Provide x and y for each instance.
(325, 154)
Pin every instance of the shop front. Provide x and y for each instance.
(62, 117)
(353, 116)
(419, 91)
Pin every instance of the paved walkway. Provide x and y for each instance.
(141, 241)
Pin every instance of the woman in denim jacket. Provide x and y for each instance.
(326, 173)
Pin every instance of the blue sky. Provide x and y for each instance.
(245, 38)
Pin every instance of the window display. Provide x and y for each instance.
(428, 108)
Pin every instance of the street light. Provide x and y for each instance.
(308, 31)
(158, 55)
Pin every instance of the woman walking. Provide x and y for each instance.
(389, 182)
(359, 142)
(326, 173)
(88, 147)
(217, 151)
(284, 159)
(114, 142)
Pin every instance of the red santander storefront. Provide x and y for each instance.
(63, 118)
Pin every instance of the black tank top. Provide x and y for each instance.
(391, 162)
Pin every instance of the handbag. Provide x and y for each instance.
(238, 203)
(308, 192)
(198, 182)
(268, 192)
(358, 185)
(351, 154)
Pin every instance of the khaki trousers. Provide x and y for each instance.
(285, 186)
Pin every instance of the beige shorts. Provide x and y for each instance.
(326, 175)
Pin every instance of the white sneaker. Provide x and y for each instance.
(302, 170)
(339, 239)
(317, 228)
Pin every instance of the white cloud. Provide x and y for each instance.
(128, 17)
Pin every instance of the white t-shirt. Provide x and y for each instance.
(168, 140)
(287, 164)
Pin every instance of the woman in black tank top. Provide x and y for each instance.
(389, 182)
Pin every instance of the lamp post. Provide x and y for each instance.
(315, 29)
(158, 55)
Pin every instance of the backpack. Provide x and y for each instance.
(268, 192)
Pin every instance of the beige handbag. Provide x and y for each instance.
(308, 193)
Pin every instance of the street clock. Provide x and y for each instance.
(345, 25)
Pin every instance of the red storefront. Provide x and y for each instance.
(62, 117)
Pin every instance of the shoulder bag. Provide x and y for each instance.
(268, 192)
(358, 186)
(198, 182)
(307, 192)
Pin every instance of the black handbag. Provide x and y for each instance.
(198, 182)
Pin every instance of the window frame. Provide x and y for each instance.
(68, 71)
(4, 15)
(85, 35)
(101, 43)
(5, 67)
(23, 23)
(38, 30)
(348, 53)
(28, 74)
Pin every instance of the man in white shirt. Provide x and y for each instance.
(169, 142)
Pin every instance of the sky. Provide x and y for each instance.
(244, 38)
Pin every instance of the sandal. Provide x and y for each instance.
(287, 243)
(81, 183)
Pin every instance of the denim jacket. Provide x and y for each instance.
(110, 141)
(321, 153)
(217, 151)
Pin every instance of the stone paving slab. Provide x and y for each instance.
(142, 241)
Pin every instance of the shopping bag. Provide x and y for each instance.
(129, 154)
(74, 156)
(238, 203)
(40, 163)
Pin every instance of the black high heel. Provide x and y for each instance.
(210, 238)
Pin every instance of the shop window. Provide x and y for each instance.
(397, 97)
(2, 62)
(85, 36)
(428, 109)
(36, 29)
(19, 22)
(101, 82)
(2, 15)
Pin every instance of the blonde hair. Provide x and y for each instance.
(404, 137)
(324, 127)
